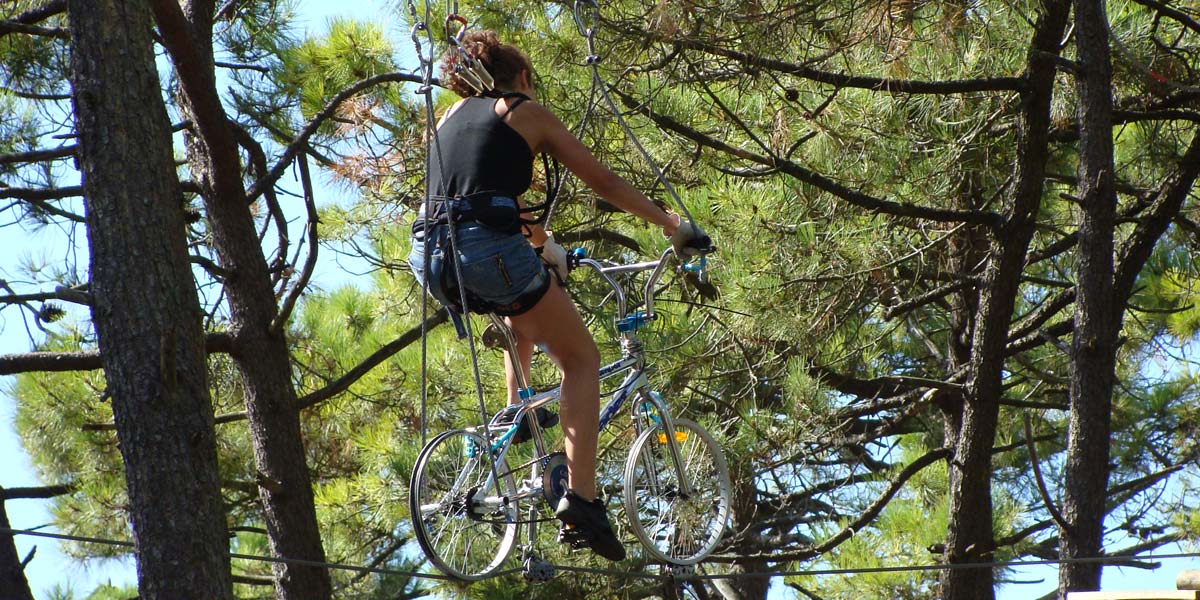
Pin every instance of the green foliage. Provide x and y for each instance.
(111, 592)
(53, 417)
(321, 67)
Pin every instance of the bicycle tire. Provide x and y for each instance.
(460, 539)
(674, 529)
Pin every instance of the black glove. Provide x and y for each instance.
(690, 240)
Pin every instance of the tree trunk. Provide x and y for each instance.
(745, 509)
(1097, 312)
(13, 584)
(968, 251)
(145, 307)
(969, 537)
(262, 355)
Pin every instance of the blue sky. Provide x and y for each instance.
(50, 567)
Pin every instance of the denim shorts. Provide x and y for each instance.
(502, 272)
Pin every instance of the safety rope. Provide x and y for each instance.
(433, 143)
(593, 60)
(426, 89)
(1112, 559)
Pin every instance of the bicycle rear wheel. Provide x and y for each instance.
(673, 527)
(461, 516)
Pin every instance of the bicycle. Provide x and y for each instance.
(466, 502)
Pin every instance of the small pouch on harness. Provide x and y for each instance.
(497, 212)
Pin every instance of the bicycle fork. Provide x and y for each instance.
(667, 423)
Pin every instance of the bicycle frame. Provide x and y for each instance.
(501, 428)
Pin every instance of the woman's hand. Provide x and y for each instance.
(669, 230)
(689, 239)
(555, 256)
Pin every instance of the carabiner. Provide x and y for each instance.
(464, 25)
(468, 67)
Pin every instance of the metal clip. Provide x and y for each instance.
(469, 68)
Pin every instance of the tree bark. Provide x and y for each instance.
(1097, 312)
(262, 356)
(745, 506)
(13, 584)
(145, 307)
(970, 537)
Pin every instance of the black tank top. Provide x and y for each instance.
(481, 155)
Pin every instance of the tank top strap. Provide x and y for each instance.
(520, 99)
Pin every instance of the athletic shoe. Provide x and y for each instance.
(585, 525)
(545, 419)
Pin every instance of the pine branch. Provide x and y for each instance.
(289, 302)
(41, 194)
(854, 197)
(332, 389)
(387, 351)
(39, 197)
(12, 364)
(843, 80)
(864, 518)
(598, 234)
(41, 13)
(301, 139)
(38, 155)
(1174, 13)
(63, 293)
(7, 27)
(85, 360)
(1035, 463)
(33, 493)
(876, 387)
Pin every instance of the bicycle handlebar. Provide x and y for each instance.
(578, 257)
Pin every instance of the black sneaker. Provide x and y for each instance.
(585, 525)
(545, 419)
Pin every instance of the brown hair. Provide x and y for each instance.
(504, 61)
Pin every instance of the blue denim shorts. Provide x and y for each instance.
(501, 272)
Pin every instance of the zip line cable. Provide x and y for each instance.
(633, 575)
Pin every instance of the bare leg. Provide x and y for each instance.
(556, 326)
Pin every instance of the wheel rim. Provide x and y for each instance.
(672, 527)
(462, 536)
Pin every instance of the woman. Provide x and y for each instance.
(480, 166)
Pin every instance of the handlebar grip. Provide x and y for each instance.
(703, 244)
(574, 256)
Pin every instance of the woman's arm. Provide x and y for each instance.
(554, 138)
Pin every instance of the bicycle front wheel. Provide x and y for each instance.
(461, 515)
(675, 527)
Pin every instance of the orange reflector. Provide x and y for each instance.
(680, 437)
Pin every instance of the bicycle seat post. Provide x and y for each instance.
(524, 391)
